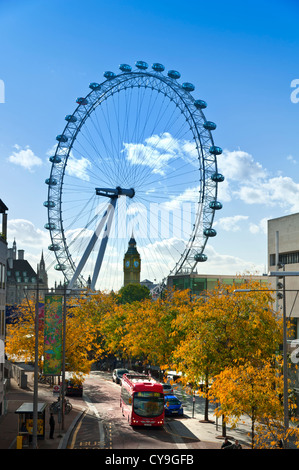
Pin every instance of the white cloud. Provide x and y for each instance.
(229, 265)
(25, 158)
(240, 166)
(78, 167)
(190, 195)
(26, 234)
(224, 191)
(261, 227)
(33, 241)
(231, 224)
(281, 191)
(292, 159)
(158, 150)
(247, 181)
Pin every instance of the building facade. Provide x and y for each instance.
(199, 283)
(22, 278)
(283, 255)
(3, 257)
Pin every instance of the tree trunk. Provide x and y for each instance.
(206, 408)
(223, 427)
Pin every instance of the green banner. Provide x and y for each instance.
(53, 335)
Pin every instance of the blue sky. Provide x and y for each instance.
(241, 59)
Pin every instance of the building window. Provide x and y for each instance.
(285, 258)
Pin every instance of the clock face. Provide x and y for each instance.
(127, 263)
(136, 264)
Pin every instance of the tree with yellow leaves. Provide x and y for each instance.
(254, 391)
(84, 340)
(226, 328)
(20, 335)
(85, 335)
(149, 334)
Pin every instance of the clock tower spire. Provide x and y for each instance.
(132, 264)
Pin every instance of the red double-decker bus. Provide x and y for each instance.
(142, 400)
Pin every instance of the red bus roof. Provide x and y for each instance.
(141, 382)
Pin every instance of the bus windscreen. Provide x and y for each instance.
(148, 404)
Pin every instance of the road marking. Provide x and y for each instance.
(76, 432)
(93, 409)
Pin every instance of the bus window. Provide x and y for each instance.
(148, 404)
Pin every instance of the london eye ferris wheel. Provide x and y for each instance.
(136, 155)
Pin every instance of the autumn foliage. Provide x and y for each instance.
(224, 343)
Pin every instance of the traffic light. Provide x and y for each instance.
(279, 287)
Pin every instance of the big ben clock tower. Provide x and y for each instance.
(132, 264)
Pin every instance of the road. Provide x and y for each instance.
(104, 427)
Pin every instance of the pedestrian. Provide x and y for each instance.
(236, 445)
(226, 443)
(52, 426)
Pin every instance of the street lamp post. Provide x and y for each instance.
(63, 360)
(284, 274)
(66, 292)
(35, 388)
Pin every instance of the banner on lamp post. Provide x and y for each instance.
(53, 335)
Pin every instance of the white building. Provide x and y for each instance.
(283, 240)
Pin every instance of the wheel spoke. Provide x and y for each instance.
(143, 131)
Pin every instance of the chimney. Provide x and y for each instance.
(20, 254)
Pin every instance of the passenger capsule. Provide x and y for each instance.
(59, 267)
(54, 247)
(140, 64)
(158, 67)
(49, 204)
(70, 118)
(61, 138)
(200, 104)
(209, 125)
(174, 74)
(215, 205)
(125, 68)
(82, 101)
(50, 226)
(94, 86)
(215, 150)
(210, 232)
(217, 177)
(200, 257)
(55, 159)
(51, 181)
(109, 75)
(188, 86)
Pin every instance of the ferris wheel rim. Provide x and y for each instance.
(192, 113)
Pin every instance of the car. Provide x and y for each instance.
(117, 375)
(73, 388)
(173, 406)
(167, 389)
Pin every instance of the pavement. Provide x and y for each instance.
(193, 431)
(15, 397)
